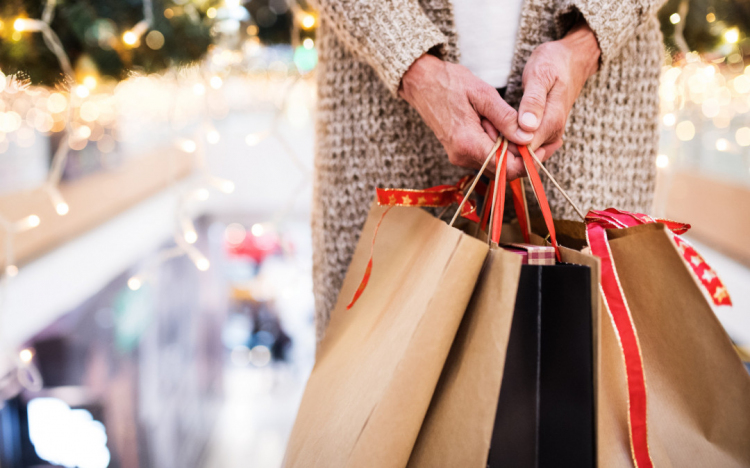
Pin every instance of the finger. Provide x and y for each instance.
(487, 102)
(473, 148)
(490, 129)
(516, 168)
(546, 151)
(536, 86)
(553, 121)
(543, 153)
(485, 147)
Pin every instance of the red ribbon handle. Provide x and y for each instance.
(536, 184)
(516, 188)
(519, 204)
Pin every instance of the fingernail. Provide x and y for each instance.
(521, 135)
(529, 119)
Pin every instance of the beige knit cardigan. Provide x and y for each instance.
(368, 137)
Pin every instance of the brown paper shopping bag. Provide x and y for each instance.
(379, 363)
(698, 391)
(458, 426)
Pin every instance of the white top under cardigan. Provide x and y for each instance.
(487, 37)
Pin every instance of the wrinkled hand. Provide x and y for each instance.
(453, 102)
(552, 80)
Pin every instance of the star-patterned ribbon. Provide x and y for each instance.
(440, 196)
(612, 218)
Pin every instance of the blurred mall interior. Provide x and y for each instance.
(156, 305)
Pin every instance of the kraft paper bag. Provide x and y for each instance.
(684, 399)
(458, 426)
(379, 363)
(698, 391)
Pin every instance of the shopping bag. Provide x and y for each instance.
(697, 389)
(671, 390)
(458, 426)
(379, 362)
(543, 411)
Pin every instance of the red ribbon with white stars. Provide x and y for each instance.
(440, 196)
(612, 218)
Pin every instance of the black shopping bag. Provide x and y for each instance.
(545, 413)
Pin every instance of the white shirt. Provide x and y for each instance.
(487, 37)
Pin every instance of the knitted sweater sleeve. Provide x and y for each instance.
(388, 34)
(613, 21)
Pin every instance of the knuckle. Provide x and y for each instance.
(534, 99)
(506, 115)
(462, 148)
(546, 73)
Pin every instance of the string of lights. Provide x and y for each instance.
(187, 235)
(23, 373)
(707, 96)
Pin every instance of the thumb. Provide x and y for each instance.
(488, 104)
(533, 102)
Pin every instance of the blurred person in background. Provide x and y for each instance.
(408, 98)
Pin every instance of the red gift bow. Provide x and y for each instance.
(439, 196)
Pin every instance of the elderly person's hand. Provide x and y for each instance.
(552, 80)
(455, 104)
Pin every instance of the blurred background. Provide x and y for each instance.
(155, 185)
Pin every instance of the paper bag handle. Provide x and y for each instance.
(498, 201)
(500, 146)
(554, 182)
